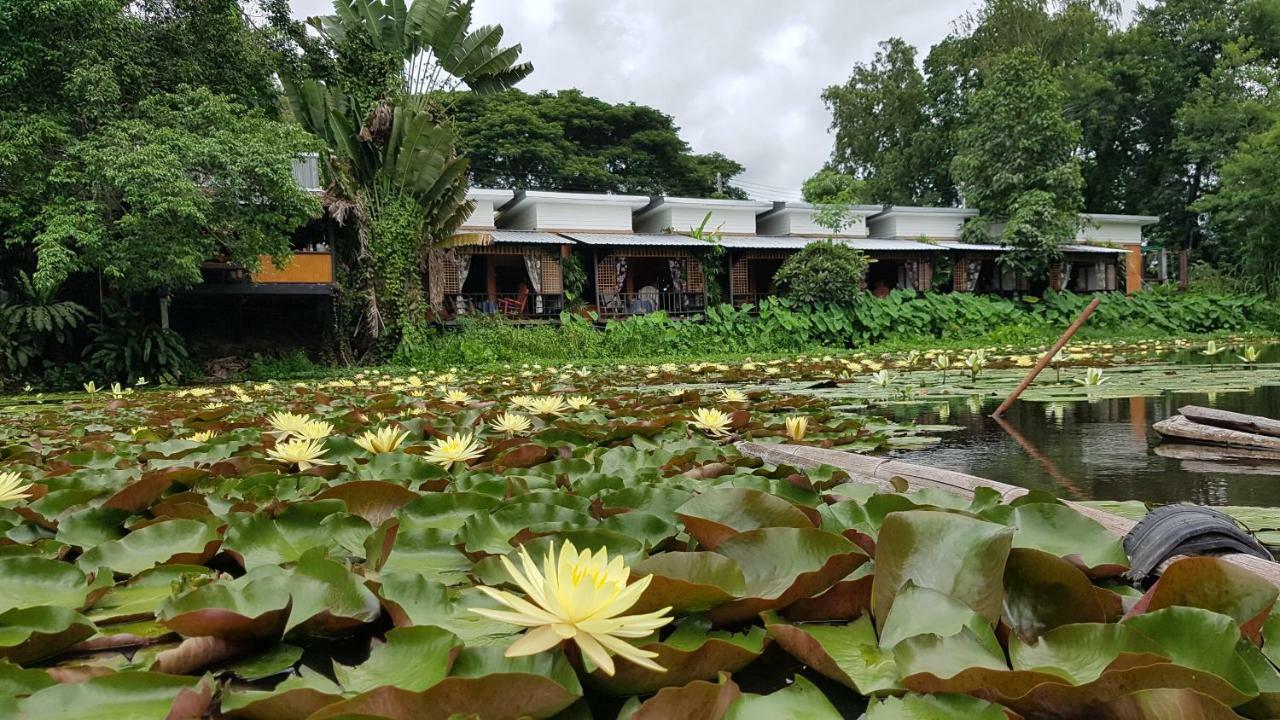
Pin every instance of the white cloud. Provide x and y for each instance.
(742, 77)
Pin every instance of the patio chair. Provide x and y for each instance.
(514, 307)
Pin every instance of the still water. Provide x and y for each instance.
(1099, 450)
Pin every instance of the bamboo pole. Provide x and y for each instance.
(1048, 358)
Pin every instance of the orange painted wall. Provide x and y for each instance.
(313, 268)
(1133, 270)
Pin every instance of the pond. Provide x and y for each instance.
(1095, 450)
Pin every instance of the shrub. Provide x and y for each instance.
(823, 273)
(126, 347)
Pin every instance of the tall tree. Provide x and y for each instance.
(139, 139)
(391, 150)
(883, 133)
(570, 141)
(1246, 207)
(1016, 162)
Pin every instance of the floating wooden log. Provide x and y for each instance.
(1184, 429)
(881, 471)
(1229, 468)
(1209, 453)
(1232, 420)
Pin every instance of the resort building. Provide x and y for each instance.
(644, 254)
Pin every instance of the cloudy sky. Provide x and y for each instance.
(742, 77)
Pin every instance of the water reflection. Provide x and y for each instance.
(1098, 450)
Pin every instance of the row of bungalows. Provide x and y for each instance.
(642, 254)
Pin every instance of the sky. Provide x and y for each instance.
(741, 77)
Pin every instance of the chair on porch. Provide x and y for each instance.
(514, 307)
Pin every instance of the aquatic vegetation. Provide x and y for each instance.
(578, 596)
(881, 378)
(976, 361)
(733, 395)
(384, 440)
(197, 551)
(1250, 355)
(713, 421)
(1093, 377)
(453, 450)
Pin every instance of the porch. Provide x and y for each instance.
(514, 274)
(641, 274)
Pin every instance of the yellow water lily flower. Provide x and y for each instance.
(457, 397)
(511, 424)
(547, 405)
(91, 387)
(117, 390)
(287, 423)
(315, 430)
(203, 436)
(1023, 361)
(386, 440)
(578, 596)
(733, 395)
(797, 426)
(882, 378)
(713, 421)
(460, 448)
(12, 489)
(1093, 377)
(1250, 355)
(579, 402)
(301, 452)
(1212, 349)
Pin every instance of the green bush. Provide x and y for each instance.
(781, 325)
(823, 273)
(125, 347)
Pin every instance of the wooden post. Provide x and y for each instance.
(1048, 358)
(1184, 272)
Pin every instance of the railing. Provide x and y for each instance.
(642, 303)
(511, 305)
(740, 299)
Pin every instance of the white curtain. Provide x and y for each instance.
(533, 266)
(464, 269)
(1066, 276)
(972, 272)
(910, 275)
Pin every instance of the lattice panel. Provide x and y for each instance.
(697, 280)
(738, 279)
(552, 275)
(606, 276)
(449, 279)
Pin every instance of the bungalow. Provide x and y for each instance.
(898, 262)
(1106, 248)
(515, 271)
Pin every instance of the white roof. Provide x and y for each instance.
(657, 202)
(1094, 249)
(888, 244)
(993, 247)
(635, 202)
(494, 195)
(905, 210)
(1142, 220)
(526, 237)
(625, 239)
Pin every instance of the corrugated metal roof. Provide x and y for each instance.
(625, 240)
(972, 247)
(765, 242)
(519, 237)
(1093, 249)
(888, 244)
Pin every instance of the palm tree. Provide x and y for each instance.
(390, 150)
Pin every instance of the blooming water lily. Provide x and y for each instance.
(578, 596)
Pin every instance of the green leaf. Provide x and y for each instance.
(1061, 531)
(123, 696)
(720, 513)
(32, 581)
(848, 654)
(953, 554)
(412, 658)
(802, 700)
(170, 541)
(934, 707)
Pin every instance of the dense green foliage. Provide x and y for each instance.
(1247, 207)
(138, 140)
(371, 90)
(568, 141)
(1015, 160)
(823, 273)
(782, 326)
(1162, 103)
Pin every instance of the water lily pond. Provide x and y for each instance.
(579, 543)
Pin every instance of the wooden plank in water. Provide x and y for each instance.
(1232, 420)
(1184, 429)
(1209, 453)
(881, 471)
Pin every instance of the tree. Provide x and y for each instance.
(1246, 206)
(570, 141)
(833, 194)
(138, 140)
(823, 273)
(391, 151)
(1016, 162)
(883, 133)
